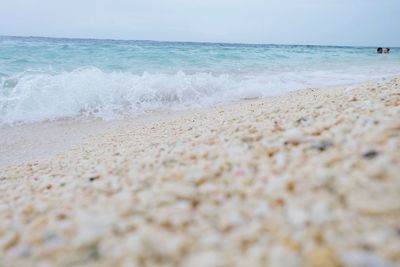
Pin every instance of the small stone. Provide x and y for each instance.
(206, 258)
(277, 127)
(9, 240)
(282, 256)
(291, 186)
(322, 257)
(371, 154)
(322, 145)
(364, 259)
(294, 137)
(93, 178)
(302, 119)
(319, 213)
(297, 216)
(280, 160)
(280, 202)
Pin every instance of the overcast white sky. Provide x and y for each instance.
(334, 22)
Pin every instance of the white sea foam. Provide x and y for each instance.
(90, 92)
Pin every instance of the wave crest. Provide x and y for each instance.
(31, 97)
(91, 92)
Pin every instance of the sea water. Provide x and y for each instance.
(46, 79)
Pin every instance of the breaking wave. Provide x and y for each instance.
(90, 92)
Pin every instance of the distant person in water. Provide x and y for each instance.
(386, 50)
(379, 50)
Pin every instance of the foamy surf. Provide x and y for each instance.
(90, 92)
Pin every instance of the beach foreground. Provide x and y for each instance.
(306, 179)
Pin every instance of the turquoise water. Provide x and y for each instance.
(44, 78)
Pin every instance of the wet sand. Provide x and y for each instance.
(39, 141)
(306, 179)
(30, 142)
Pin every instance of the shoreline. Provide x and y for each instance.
(32, 142)
(309, 178)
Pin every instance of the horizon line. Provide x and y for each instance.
(192, 42)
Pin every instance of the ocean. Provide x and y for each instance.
(48, 79)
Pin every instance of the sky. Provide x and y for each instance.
(323, 22)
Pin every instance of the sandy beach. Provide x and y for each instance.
(311, 178)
